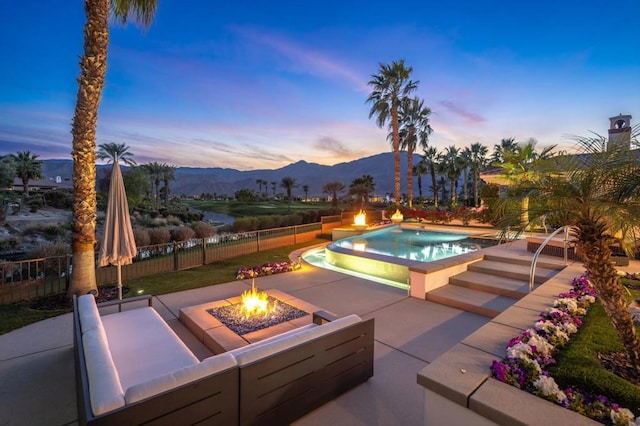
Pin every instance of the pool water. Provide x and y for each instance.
(385, 255)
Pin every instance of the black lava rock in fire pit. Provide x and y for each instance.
(234, 318)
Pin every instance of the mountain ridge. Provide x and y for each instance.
(191, 181)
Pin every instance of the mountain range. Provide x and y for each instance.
(195, 181)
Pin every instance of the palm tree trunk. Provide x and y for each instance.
(604, 277)
(524, 212)
(409, 174)
(475, 187)
(396, 153)
(434, 183)
(93, 67)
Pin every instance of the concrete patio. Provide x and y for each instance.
(37, 382)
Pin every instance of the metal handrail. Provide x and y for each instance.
(534, 261)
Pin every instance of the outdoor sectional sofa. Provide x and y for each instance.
(131, 368)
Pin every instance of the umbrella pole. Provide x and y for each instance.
(119, 282)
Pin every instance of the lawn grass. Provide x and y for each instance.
(252, 209)
(16, 315)
(578, 365)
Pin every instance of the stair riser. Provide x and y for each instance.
(489, 313)
(522, 276)
(486, 288)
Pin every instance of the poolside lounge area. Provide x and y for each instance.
(37, 382)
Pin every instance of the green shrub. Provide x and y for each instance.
(59, 199)
(49, 249)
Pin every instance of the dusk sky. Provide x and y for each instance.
(261, 84)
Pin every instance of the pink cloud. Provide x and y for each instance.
(462, 112)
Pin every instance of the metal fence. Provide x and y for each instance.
(27, 279)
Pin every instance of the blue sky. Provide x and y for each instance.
(261, 84)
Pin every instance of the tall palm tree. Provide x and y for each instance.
(451, 164)
(431, 159)
(391, 87)
(288, 183)
(27, 167)
(598, 194)
(168, 174)
(522, 165)
(419, 170)
(361, 187)
(113, 152)
(478, 162)
(93, 67)
(414, 133)
(273, 187)
(305, 188)
(333, 189)
(260, 182)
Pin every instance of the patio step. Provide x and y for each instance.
(512, 270)
(547, 262)
(501, 286)
(479, 302)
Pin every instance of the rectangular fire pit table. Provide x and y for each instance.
(219, 338)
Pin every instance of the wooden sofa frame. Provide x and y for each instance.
(273, 390)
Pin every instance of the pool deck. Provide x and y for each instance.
(37, 382)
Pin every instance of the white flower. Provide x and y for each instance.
(541, 344)
(570, 327)
(548, 386)
(588, 298)
(571, 304)
(520, 350)
(623, 416)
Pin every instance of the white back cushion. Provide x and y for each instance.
(207, 367)
(88, 313)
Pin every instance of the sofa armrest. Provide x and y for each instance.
(320, 317)
(119, 303)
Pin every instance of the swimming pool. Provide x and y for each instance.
(386, 255)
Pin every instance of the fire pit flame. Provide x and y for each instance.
(255, 302)
(360, 219)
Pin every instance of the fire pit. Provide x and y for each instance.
(275, 312)
(360, 221)
(223, 325)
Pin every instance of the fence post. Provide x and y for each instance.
(204, 251)
(257, 240)
(67, 277)
(175, 256)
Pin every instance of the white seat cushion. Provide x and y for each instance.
(143, 346)
(105, 391)
(207, 367)
(265, 348)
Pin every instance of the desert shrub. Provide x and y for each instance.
(204, 229)
(182, 233)
(50, 249)
(173, 221)
(141, 236)
(245, 224)
(54, 232)
(59, 199)
(269, 222)
(35, 203)
(159, 236)
(9, 244)
(157, 222)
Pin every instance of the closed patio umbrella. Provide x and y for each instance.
(118, 245)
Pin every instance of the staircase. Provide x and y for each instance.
(491, 285)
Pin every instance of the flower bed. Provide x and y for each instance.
(266, 269)
(530, 353)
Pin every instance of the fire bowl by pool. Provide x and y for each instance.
(234, 318)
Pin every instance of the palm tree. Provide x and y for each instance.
(273, 187)
(260, 182)
(333, 189)
(478, 161)
(464, 161)
(431, 158)
(451, 167)
(391, 87)
(305, 188)
(419, 170)
(93, 67)
(27, 167)
(598, 195)
(361, 187)
(506, 146)
(288, 183)
(113, 152)
(521, 166)
(168, 174)
(414, 133)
